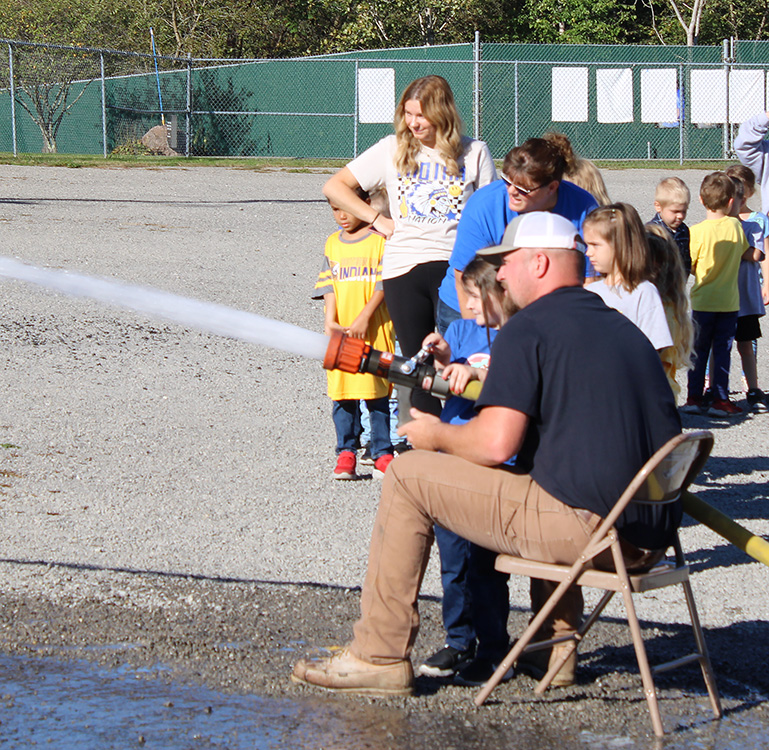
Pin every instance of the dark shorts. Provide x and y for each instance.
(748, 328)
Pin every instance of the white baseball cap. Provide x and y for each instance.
(538, 229)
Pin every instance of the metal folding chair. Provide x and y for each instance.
(661, 480)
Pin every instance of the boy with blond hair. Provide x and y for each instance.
(717, 246)
(671, 202)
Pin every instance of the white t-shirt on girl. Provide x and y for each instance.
(643, 306)
(425, 205)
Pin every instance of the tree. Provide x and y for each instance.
(400, 23)
(692, 12)
(586, 22)
(49, 82)
(722, 19)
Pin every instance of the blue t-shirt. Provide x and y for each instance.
(756, 228)
(485, 218)
(469, 345)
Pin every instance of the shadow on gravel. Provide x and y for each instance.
(179, 576)
(726, 556)
(714, 424)
(719, 467)
(742, 502)
(734, 662)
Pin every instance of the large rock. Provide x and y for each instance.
(155, 140)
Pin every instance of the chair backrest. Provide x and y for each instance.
(666, 474)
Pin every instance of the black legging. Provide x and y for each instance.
(412, 300)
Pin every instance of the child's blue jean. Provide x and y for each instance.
(712, 330)
(346, 416)
(475, 596)
(365, 436)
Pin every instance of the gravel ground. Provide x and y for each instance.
(166, 496)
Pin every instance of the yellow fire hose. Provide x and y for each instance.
(739, 536)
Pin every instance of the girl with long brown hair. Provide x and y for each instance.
(429, 169)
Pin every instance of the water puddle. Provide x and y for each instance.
(73, 704)
(55, 704)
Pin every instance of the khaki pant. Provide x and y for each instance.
(496, 509)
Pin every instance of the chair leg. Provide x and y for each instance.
(528, 634)
(705, 664)
(544, 683)
(647, 678)
(650, 691)
(580, 633)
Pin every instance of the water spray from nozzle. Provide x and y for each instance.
(341, 352)
(206, 316)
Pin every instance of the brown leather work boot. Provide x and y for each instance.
(344, 672)
(536, 664)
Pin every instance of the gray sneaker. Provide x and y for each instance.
(757, 400)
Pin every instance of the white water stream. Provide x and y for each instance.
(205, 316)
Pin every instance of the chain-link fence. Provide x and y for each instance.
(614, 102)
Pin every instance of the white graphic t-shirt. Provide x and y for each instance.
(426, 204)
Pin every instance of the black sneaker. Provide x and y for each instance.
(757, 400)
(446, 662)
(400, 447)
(366, 458)
(478, 672)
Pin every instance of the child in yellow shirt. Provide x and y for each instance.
(717, 246)
(350, 283)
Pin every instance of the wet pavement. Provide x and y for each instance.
(128, 708)
(148, 661)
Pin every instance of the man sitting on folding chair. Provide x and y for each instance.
(579, 394)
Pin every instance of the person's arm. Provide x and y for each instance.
(359, 327)
(753, 253)
(694, 253)
(459, 375)
(490, 439)
(765, 272)
(749, 144)
(340, 191)
(330, 322)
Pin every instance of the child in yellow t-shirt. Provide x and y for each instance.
(717, 246)
(350, 283)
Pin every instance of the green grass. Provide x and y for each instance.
(76, 161)
(286, 164)
(666, 164)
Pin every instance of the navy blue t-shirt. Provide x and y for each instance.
(598, 402)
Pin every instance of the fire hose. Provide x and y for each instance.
(356, 356)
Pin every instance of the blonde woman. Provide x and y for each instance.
(429, 170)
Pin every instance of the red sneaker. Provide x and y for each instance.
(345, 466)
(693, 405)
(381, 464)
(724, 408)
